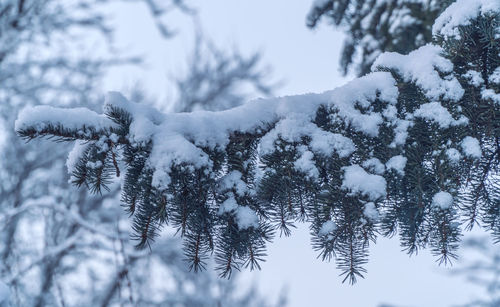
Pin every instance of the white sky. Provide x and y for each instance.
(308, 62)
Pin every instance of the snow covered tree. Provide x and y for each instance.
(376, 26)
(483, 270)
(60, 246)
(217, 80)
(412, 148)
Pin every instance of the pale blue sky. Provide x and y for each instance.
(308, 62)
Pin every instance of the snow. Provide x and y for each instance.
(400, 132)
(453, 155)
(305, 164)
(213, 128)
(40, 117)
(229, 205)
(474, 78)
(94, 165)
(296, 126)
(325, 143)
(177, 138)
(442, 200)
(374, 165)
(246, 218)
(143, 130)
(362, 92)
(357, 180)
(371, 212)
(495, 76)
(75, 154)
(327, 227)
(471, 147)
(116, 99)
(490, 94)
(460, 13)
(145, 118)
(114, 138)
(434, 111)
(233, 180)
(422, 67)
(399, 125)
(359, 93)
(397, 163)
(175, 151)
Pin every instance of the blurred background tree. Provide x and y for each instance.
(481, 266)
(61, 246)
(218, 80)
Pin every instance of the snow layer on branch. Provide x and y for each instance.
(495, 76)
(138, 110)
(422, 67)
(397, 163)
(357, 180)
(453, 155)
(177, 150)
(471, 147)
(305, 164)
(442, 200)
(374, 165)
(178, 138)
(400, 131)
(491, 94)
(362, 92)
(145, 118)
(233, 180)
(212, 129)
(75, 154)
(435, 112)
(461, 13)
(296, 126)
(327, 227)
(474, 78)
(229, 205)
(245, 217)
(371, 212)
(40, 117)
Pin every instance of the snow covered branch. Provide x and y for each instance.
(412, 147)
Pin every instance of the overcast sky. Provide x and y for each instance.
(308, 62)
